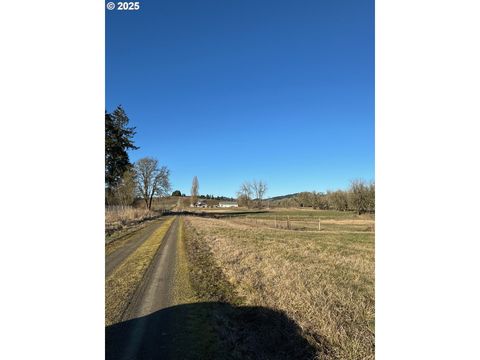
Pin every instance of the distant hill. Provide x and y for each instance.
(282, 197)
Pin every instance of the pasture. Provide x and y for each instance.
(322, 279)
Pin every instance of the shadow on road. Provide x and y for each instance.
(208, 330)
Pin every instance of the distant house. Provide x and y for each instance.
(201, 203)
(227, 204)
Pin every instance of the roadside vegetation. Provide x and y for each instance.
(120, 217)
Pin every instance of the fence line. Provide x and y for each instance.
(312, 223)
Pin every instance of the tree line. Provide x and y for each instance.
(359, 197)
(178, 193)
(124, 181)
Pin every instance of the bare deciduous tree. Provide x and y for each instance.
(151, 180)
(194, 190)
(338, 200)
(360, 196)
(244, 194)
(314, 199)
(304, 199)
(251, 190)
(319, 200)
(371, 197)
(123, 193)
(259, 188)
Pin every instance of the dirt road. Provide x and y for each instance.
(142, 335)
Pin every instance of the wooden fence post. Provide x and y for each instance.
(275, 221)
(288, 222)
(319, 224)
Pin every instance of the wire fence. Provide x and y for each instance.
(308, 224)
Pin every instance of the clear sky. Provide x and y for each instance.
(232, 90)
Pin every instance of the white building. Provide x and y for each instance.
(200, 203)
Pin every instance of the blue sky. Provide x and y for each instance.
(232, 90)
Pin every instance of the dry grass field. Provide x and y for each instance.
(323, 280)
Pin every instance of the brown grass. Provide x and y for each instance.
(118, 217)
(122, 283)
(324, 281)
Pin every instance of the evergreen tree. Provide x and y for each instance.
(118, 139)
